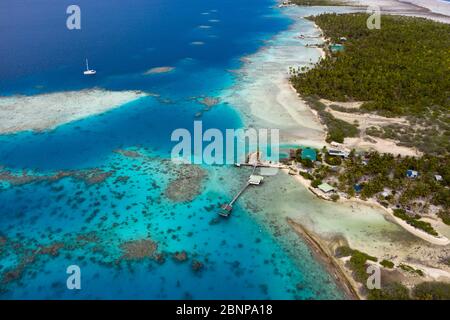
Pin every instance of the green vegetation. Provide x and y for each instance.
(316, 182)
(343, 251)
(410, 269)
(381, 65)
(381, 68)
(400, 70)
(432, 291)
(425, 135)
(446, 261)
(422, 291)
(307, 163)
(383, 177)
(445, 216)
(387, 264)
(334, 197)
(384, 171)
(307, 175)
(317, 2)
(415, 222)
(343, 109)
(333, 160)
(337, 129)
(357, 262)
(390, 291)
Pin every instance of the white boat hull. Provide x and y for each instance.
(89, 72)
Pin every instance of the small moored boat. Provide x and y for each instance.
(89, 72)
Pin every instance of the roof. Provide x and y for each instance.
(336, 47)
(438, 177)
(254, 179)
(325, 187)
(412, 173)
(253, 157)
(340, 153)
(357, 187)
(385, 193)
(309, 153)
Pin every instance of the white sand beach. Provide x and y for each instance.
(436, 6)
(362, 225)
(441, 240)
(431, 9)
(266, 99)
(263, 93)
(47, 111)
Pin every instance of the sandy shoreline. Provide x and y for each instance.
(431, 9)
(437, 10)
(47, 111)
(439, 241)
(266, 98)
(264, 94)
(422, 257)
(413, 253)
(323, 254)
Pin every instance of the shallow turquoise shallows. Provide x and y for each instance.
(48, 225)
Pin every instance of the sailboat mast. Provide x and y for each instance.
(87, 65)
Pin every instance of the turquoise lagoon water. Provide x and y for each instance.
(241, 257)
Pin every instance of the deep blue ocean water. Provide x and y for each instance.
(241, 257)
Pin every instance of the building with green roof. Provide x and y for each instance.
(337, 47)
(325, 187)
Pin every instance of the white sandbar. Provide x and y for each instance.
(47, 111)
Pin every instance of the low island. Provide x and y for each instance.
(387, 137)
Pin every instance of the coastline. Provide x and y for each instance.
(440, 241)
(321, 252)
(386, 146)
(436, 6)
(430, 9)
(321, 245)
(317, 241)
(264, 95)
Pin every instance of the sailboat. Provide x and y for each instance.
(89, 72)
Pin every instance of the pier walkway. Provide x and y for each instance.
(225, 209)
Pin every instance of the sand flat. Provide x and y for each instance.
(158, 70)
(47, 111)
(264, 95)
(431, 9)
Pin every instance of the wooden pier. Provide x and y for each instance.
(225, 209)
